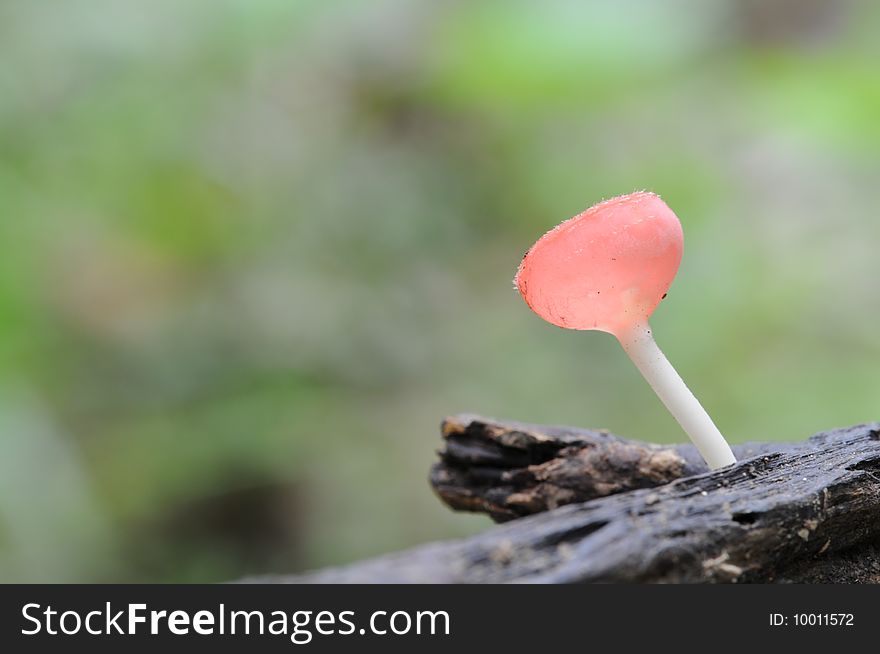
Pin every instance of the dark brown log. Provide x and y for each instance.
(512, 469)
(806, 512)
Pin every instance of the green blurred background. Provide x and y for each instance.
(251, 253)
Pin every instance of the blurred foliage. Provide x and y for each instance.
(253, 251)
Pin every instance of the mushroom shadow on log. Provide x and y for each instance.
(606, 509)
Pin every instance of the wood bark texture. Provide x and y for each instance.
(587, 506)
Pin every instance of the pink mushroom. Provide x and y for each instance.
(607, 269)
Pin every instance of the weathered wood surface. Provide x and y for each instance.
(511, 469)
(806, 511)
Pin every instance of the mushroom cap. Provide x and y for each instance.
(607, 268)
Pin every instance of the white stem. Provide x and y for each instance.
(674, 393)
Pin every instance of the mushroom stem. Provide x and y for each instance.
(639, 344)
